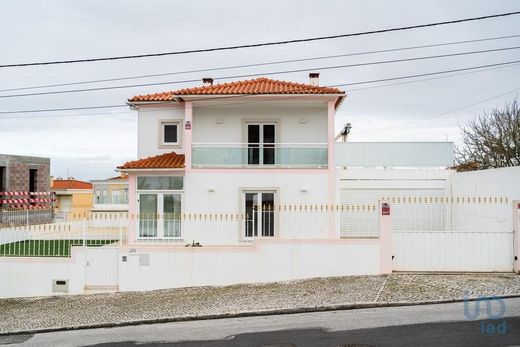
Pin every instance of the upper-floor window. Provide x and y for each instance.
(169, 134)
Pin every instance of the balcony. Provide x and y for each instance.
(111, 200)
(260, 155)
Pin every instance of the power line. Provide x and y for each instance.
(335, 85)
(438, 115)
(63, 109)
(261, 64)
(429, 79)
(264, 73)
(272, 43)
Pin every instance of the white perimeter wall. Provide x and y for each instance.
(148, 129)
(265, 262)
(226, 198)
(287, 115)
(503, 182)
(20, 277)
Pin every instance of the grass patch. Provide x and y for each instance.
(46, 248)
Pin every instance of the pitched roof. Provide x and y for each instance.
(256, 86)
(164, 161)
(59, 184)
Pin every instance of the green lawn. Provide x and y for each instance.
(45, 248)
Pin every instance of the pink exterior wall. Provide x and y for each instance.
(132, 207)
(331, 118)
(188, 117)
(385, 241)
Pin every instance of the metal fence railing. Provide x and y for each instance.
(284, 221)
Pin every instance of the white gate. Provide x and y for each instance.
(452, 234)
(102, 267)
(450, 250)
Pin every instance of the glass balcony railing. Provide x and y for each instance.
(111, 200)
(308, 155)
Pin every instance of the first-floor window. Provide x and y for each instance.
(159, 207)
(259, 213)
(160, 215)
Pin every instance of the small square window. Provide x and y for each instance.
(170, 133)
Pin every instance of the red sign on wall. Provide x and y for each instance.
(187, 126)
(385, 209)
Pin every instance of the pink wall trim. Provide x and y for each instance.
(136, 248)
(257, 171)
(385, 242)
(132, 206)
(188, 117)
(331, 118)
(516, 236)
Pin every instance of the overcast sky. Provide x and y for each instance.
(89, 144)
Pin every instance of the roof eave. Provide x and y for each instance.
(148, 169)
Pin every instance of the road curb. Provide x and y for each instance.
(269, 312)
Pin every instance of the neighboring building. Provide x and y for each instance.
(72, 196)
(241, 147)
(24, 174)
(110, 195)
(24, 185)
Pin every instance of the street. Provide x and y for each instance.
(425, 325)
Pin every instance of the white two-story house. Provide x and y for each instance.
(238, 153)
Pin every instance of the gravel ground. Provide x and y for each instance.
(84, 310)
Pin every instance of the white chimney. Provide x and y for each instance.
(207, 81)
(314, 78)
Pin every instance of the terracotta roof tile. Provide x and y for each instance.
(70, 184)
(256, 86)
(164, 161)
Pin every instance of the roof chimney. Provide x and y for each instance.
(207, 81)
(314, 78)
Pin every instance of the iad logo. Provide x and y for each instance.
(495, 309)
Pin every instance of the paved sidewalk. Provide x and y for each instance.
(75, 311)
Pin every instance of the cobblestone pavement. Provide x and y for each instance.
(115, 308)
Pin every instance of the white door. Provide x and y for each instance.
(260, 216)
(102, 267)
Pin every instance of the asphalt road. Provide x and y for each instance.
(426, 325)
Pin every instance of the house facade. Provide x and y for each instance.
(111, 194)
(240, 151)
(73, 197)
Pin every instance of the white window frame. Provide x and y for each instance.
(162, 124)
(277, 131)
(276, 192)
(160, 207)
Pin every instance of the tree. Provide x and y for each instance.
(491, 140)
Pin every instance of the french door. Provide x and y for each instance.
(261, 138)
(259, 214)
(159, 215)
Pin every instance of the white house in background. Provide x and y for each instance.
(111, 194)
(240, 149)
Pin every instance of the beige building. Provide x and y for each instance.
(72, 196)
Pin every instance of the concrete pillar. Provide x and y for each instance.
(516, 236)
(385, 238)
(132, 208)
(331, 118)
(188, 117)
